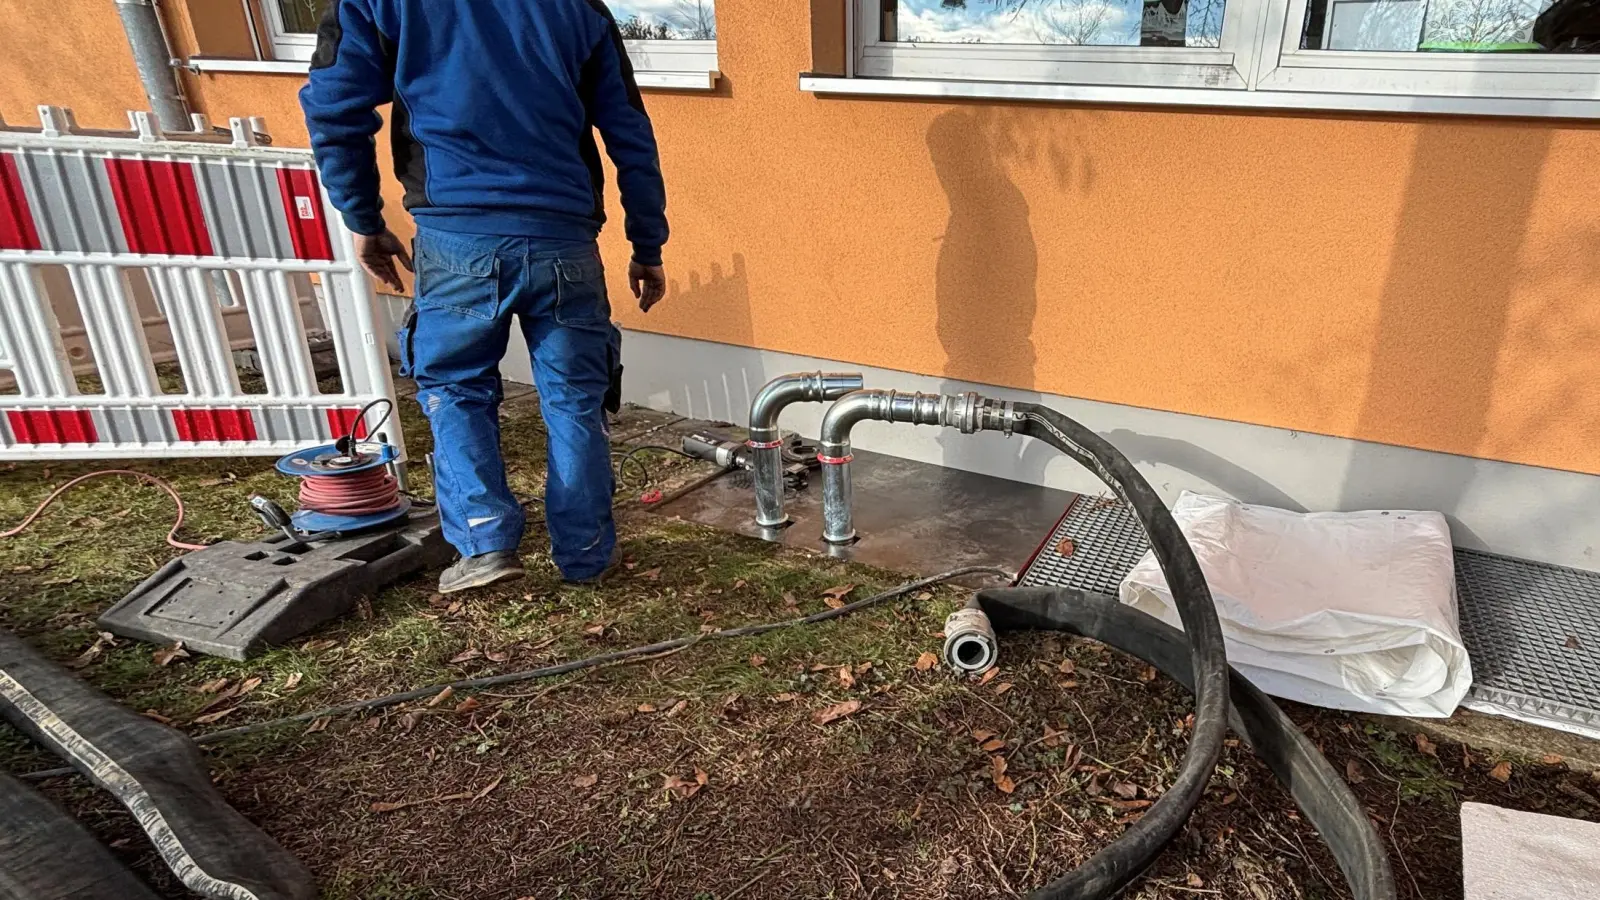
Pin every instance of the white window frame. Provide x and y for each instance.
(286, 45)
(1259, 64)
(1218, 67)
(675, 64)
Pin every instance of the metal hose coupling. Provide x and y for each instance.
(969, 642)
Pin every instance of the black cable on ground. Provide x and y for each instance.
(1328, 803)
(631, 456)
(589, 662)
(1109, 871)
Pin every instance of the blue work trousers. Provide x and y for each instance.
(468, 288)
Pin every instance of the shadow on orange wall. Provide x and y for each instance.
(1442, 316)
(986, 290)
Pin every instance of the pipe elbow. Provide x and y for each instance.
(848, 410)
(799, 387)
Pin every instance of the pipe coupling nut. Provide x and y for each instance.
(970, 646)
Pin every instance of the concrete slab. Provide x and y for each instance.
(1508, 855)
(912, 517)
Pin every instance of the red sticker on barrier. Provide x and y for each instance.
(159, 206)
(302, 205)
(52, 426)
(17, 231)
(214, 424)
(340, 420)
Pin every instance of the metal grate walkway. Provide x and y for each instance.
(1532, 630)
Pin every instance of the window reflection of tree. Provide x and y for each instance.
(1081, 22)
(684, 20)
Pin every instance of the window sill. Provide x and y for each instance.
(672, 81)
(678, 81)
(1202, 97)
(254, 66)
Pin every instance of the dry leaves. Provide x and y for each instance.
(1194, 881)
(466, 655)
(789, 600)
(1501, 772)
(652, 574)
(103, 640)
(989, 675)
(318, 646)
(293, 681)
(926, 661)
(1002, 687)
(441, 697)
(785, 697)
(1067, 667)
(834, 596)
(1353, 773)
(319, 724)
(208, 718)
(585, 781)
(1148, 675)
(997, 774)
(1553, 759)
(248, 686)
(155, 716)
(496, 656)
(468, 705)
(1067, 547)
(685, 788)
(847, 679)
(1125, 790)
(836, 712)
(993, 745)
(166, 655)
(1425, 746)
(757, 660)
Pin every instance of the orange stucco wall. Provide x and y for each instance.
(1427, 282)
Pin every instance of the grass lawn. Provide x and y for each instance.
(702, 774)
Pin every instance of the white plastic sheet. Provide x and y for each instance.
(1353, 611)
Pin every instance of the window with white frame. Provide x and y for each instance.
(672, 43)
(1525, 57)
(292, 25)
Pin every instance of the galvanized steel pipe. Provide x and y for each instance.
(967, 412)
(766, 439)
(152, 57)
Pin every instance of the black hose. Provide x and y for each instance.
(588, 662)
(1328, 803)
(1115, 866)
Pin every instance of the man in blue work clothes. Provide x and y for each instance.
(495, 103)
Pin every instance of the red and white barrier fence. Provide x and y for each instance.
(98, 224)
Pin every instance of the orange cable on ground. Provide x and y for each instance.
(172, 535)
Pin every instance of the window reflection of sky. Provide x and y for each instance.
(681, 18)
(1089, 22)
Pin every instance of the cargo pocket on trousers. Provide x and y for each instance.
(581, 292)
(404, 338)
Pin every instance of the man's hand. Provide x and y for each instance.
(377, 253)
(649, 284)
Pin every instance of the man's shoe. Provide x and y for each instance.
(478, 571)
(597, 580)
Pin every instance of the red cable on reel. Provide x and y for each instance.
(362, 493)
